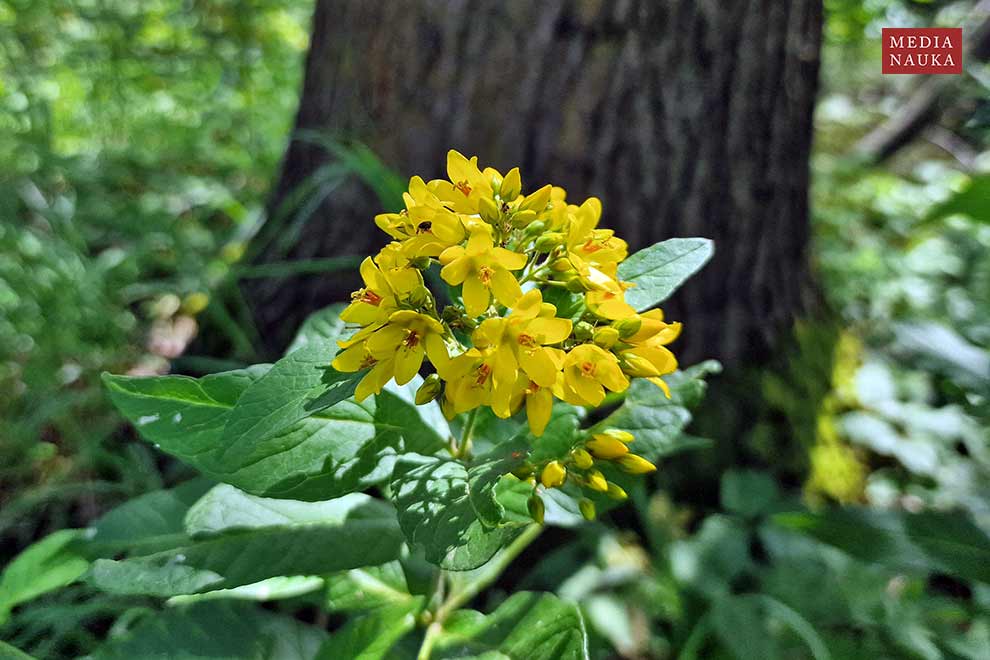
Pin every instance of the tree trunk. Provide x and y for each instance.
(687, 118)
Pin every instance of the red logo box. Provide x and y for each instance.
(922, 50)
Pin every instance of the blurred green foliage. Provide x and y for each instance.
(139, 140)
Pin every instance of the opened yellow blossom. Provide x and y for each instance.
(381, 293)
(484, 270)
(588, 371)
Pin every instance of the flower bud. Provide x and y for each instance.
(535, 228)
(637, 367)
(561, 265)
(523, 472)
(553, 475)
(587, 508)
(523, 218)
(536, 508)
(621, 436)
(488, 210)
(616, 492)
(548, 241)
(511, 185)
(420, 263)
(596, 481)
(537, 201)
(634, 464)
(429, 390)
(606, 337)
(628, 327)
(605, 447)
(575, 285)
(195, 303)
(582, 459)
(421, 297)
(583, 330)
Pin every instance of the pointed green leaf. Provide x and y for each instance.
(527, 625)
(147, 523)
(657, 271)
(243, 544)
(345, 448)
(49, 564)
(296, 387)
(371, 636)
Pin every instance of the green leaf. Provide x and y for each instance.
(8, 652)
(371, 636)
(257, 545)
(226, 509)
(49, 564)
(322, 325)
(451, 510)
(527, 625)
(657, 271)
(296, 387)
(748, 493)
(219, 629)
(148, 523)
(929, 541)
(973, 200)
(368, 588)
(276, 588)
(345, 448)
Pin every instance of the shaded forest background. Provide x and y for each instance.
(151, 220)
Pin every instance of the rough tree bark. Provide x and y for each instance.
(687, 118)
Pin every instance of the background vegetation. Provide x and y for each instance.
(140, 141)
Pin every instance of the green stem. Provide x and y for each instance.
(464, 448)
(488, 574)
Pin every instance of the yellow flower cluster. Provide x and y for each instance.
(500, 343)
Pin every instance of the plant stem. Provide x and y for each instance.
(487, 575)
(464, 448)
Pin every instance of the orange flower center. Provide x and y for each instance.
(463, 187)
(366, 296)
(526, 340)
(368, 361)
(591, 247)
(485, 274)
(483, 372)
(588, 369)
(411, 340)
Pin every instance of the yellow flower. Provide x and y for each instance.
(467, 184)
(483, 269)
(381, 293)
(469, 380)
(609, 301)
(588, 370)
(598, 247)
(521, 341)
(426, 228)
(648, 356)
(538, 400)
(398, 347)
